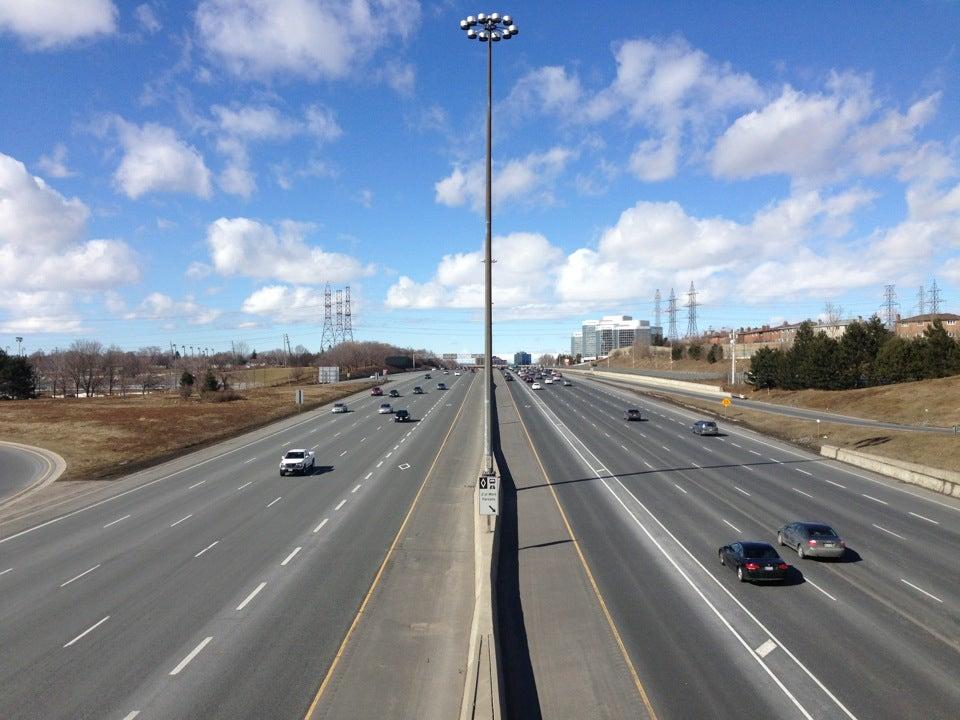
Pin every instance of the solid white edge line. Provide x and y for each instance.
(290, 557)
(193, 653)
(693, 585)
(921, 590)
(935, 522)
(274, 501)
(80, 575)
(889, 532)
(322, 523)
(251, 596)
(733, 526)
(806, 579)
(115, 521)
(342, 503)
(206, 548)
(181, 520)
(88, 630)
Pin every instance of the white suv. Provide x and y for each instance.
(296, 462)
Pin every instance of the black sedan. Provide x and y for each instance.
(402, 416)
(394, 393)
(754, 561)
(632, 414)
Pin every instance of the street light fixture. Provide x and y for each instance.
(488, 29)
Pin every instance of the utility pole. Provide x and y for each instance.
(672, 315)
(889, 306)
(935, 298)
(692, 312)
(921, 301)
(347, 316)
(327, 337)
(338, 328)
(733, 357)
(19, 344)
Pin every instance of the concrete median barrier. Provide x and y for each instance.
(945, 482)
(651, 382)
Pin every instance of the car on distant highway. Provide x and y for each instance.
(705, 427)
(812, 539)
(535, 386)
(339, 408)
(427, 376)
(457, 372)
(296, 462)
(548, 381)
(385, 409)
(509, 378)
(567, 383)
(754, 561)
(441, 386)
(376, 391)
(632, 414)
(394, 393)
(402, 416)
(417, 390)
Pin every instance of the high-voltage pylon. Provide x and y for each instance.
(921, 301)
(347, 316)
(935, 299)
(338, 328)
(327, 337)
(692, 305)
(656, 310)
(890, 305)
(672, 314)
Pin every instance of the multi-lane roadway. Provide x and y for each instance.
(219, 590)
(650, 503)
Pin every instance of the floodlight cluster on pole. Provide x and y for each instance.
(488, 29)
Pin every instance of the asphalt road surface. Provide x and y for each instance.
(18, 469)
(875, 636)
(221, 590)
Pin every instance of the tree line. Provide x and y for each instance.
(866, 354)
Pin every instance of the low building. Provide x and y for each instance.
(522, 358)
(912, 327)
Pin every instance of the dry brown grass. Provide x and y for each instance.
(937, 450)
(105, 437)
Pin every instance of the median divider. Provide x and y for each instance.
(482, 698)
(945, 482)
(652, 382)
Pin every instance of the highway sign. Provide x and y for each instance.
(298, 397)
(725, 402)
(489, 487)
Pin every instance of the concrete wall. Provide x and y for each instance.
(651, 382)
(946, 482)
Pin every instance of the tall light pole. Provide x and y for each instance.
(19, 345)
(488, 29)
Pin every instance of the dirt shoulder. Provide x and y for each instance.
(107, 437)
(942, 451)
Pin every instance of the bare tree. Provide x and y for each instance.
(85, 365)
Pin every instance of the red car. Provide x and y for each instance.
(377, 391)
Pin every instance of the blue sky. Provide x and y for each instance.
(195, 172)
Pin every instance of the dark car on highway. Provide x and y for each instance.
(705, 427)
(427, 376)
(441, 386)
(401, 416)
(394, 393)
(417, 390)
(376, 392)
(812, 539)
(632, 414)
(754, 561)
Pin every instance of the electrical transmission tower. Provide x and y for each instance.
(890, 306)
(656, 310)
(338, 328)
(692, 312)
(921, 301)
(672, 314)
(935, 299)
(327, 338)
(347, 316)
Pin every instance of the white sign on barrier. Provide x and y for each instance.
(489, 487)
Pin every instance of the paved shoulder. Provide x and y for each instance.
(24, 467)
(407, 651)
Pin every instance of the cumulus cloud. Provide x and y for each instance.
(249, 248)
(148, 18)
(157, 306)
(55, 165)
(156, 160)
(525, 269)
(46, 24)
(261, 122)
(821, 136)
(546, 89)
(286, 303)
(309, 38)
(44, 257)
(529, 179)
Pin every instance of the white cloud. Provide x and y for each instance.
(365, 198)
(35, 312)
(547, 89)
(245, 247)
(654, 160)
(285, 303)
(46, 24)
(524, 273)
(156, 160)
(821, 136)
(529, 179)
(310, 38)
(261, 122)
(951, 270)
(401, 77)
(55, 165)
(198, 270)
(322, 123)
(147, 18)
(236, 177)
(157, 306)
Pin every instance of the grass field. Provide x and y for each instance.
(106, 437)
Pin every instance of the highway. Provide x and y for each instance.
(875, 636)
(219, 590)
(20, 467)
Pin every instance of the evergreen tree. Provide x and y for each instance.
(765, 367)
(18, 380)
(939, 352)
